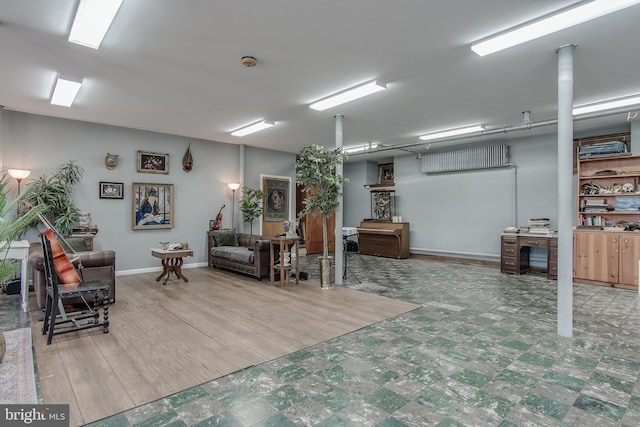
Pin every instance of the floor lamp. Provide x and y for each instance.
(19, 175)
(233, 186)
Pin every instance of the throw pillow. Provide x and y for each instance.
(226, 237)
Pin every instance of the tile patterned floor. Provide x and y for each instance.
(481, 351)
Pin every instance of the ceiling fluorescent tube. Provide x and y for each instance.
(452, 132)
(254, 127)
(607, 105)
(550, 24)
(360, 148)
(92, 21)
(348, 95)
(65, 92)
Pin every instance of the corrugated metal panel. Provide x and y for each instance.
(492, 156)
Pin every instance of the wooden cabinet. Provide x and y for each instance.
(608, 200)
(606, 258)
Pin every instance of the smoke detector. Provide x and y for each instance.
(249, 61)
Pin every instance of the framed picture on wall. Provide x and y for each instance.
(111, 190)
(152, 206)
(276, 193)
(150, 162)
(385, 173)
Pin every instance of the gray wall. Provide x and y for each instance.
(463, 214)
(459, 214)
(267, 162)
(40, 144)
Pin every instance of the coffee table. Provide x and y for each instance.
(172, 261)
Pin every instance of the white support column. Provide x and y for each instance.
(565, 185)
(240, 219)
(339, 262)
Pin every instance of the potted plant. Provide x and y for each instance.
(54, 193)
(12, 225)
(251, 204)
(316, 173)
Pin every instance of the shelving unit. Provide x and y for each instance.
(606, 254)
(614, 180)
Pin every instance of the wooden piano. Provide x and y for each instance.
(388, 239)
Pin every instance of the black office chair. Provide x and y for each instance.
(56, 292)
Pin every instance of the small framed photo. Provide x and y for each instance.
(150, 162)
(385, 173)
(111, 190)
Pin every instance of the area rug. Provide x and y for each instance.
(17, 379)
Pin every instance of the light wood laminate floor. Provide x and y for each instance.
(164, 339)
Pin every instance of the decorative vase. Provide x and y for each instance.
(326, 281)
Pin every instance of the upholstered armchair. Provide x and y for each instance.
(97, 265)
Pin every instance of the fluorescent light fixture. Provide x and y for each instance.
(348, 95)
(92, 21)
(65, 92)
(558, 21)
(452, 132)
(360, 148)
(607, 105)
(254, 127)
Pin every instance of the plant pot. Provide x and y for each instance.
(326, 281)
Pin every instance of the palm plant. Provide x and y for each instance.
(250, 204)
(54, 193)
(12, 225)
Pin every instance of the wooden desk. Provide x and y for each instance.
(171, 262)
(283, 268)
(19, 249)
(514, 253)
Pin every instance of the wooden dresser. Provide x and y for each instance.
(387, 239)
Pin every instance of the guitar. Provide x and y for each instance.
(218, 222)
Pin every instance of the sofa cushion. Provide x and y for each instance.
(233, 253)
(225, 237)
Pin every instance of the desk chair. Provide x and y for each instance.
(56, 292)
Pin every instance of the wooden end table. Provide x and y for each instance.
(284, 269)
(171, 262)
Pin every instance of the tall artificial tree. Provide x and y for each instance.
(316, 173)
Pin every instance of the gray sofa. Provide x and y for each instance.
(243, 253)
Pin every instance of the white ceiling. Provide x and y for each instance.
(175, 66)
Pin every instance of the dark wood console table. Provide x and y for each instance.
(515, 248)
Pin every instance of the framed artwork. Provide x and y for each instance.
(150, 162)
(111, 190)
(383, 207)
(276, 193)
(152, 206)
(385, 173)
